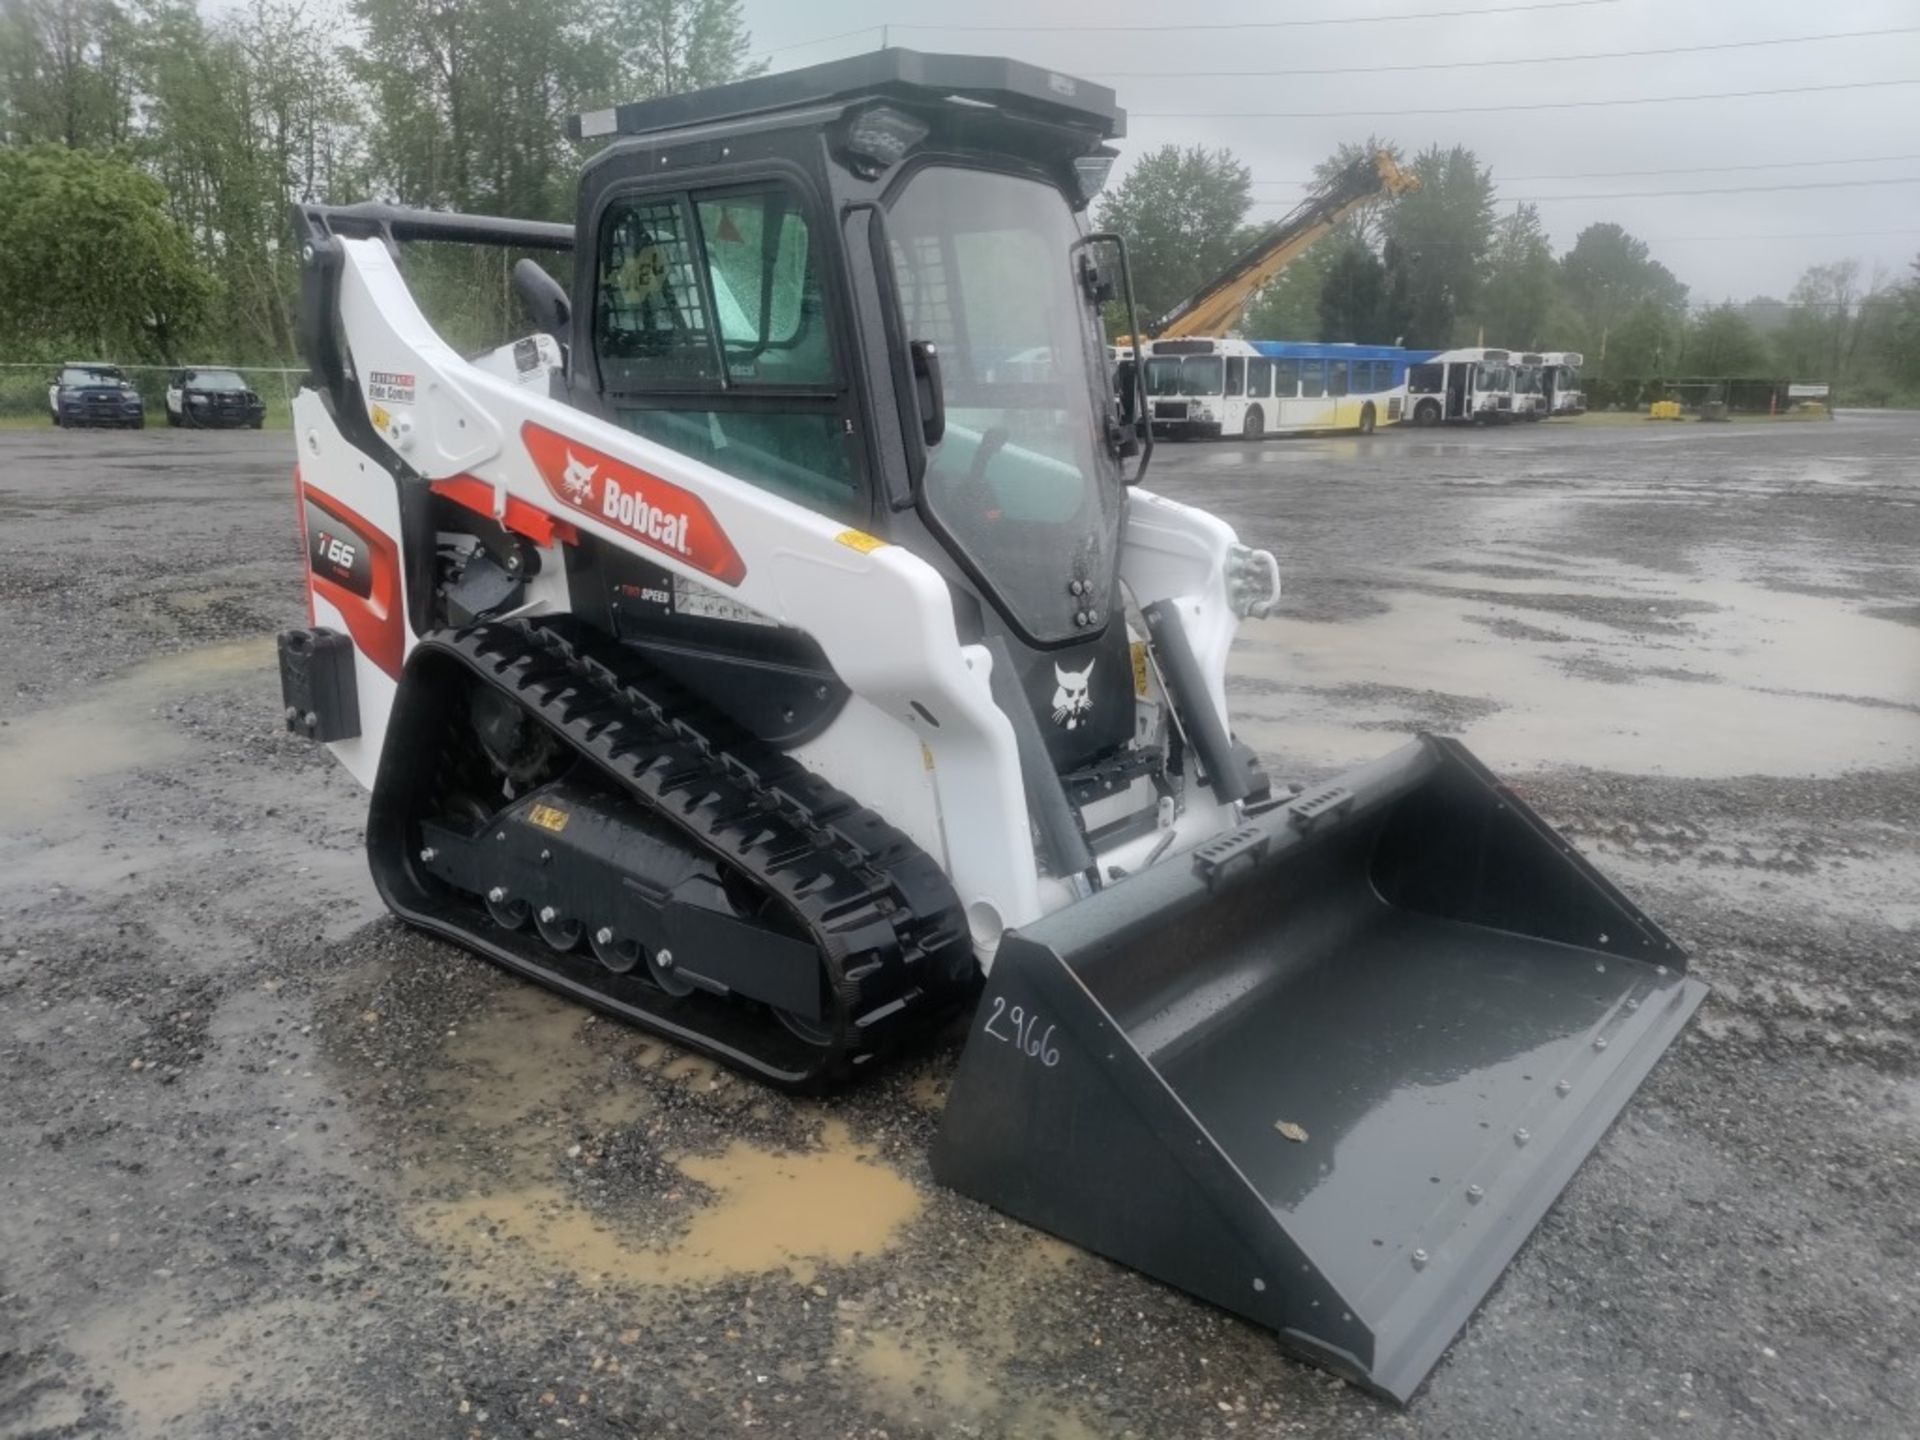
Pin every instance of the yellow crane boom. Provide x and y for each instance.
(1214, 309)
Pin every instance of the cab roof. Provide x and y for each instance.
(909, 75)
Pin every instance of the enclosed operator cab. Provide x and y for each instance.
(1460, 386)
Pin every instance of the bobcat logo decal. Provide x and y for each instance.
(578, 480)
(1071, 702)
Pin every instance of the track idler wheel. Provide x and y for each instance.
(619, 956)
(660, 969)
(507, 912)
(557, 930)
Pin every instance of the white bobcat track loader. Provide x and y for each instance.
(771, 650)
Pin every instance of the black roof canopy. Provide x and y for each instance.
(1008, 85)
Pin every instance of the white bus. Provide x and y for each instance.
(1529, 386)
(1252, 388)
(1461, 386)
(1560, 382)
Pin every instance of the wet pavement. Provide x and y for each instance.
(270, 1165)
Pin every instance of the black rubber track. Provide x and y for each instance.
(883, 918)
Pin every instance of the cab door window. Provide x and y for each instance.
(710, 329)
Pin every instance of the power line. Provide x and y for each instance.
(1719, 169)
(1677, 170)
(1717, 190)
(1495, 109)
(1263, 24)
(1716, 239)
(1479, 64)
(1787, 235)
(821, 40)
(1212, 25)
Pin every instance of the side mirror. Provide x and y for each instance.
(1095, 280)
(546, 302)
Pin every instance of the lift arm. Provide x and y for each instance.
(1214, 309)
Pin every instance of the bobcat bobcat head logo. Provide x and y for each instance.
(1071, 702)
(578, 480)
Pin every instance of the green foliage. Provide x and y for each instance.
(665, 47)
(1441, 234)
(1355, 297)
(1522, 283)
(1645, 343)
(1608, 275)
(67, 73)
(1289, 307)
(238, 112)
(1180, 211)
(1899, 344)
(1721, 341)
(90, 258)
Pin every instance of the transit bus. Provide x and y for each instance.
(1253, 388)
(1560, 382)
(1529, 386)
(1474, 384)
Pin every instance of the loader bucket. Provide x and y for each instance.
(1327, 1071)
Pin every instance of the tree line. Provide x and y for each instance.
(1440, 267)
(148, 153)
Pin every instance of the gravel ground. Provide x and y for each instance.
(270, 1165)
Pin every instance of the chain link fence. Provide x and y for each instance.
(24, 387)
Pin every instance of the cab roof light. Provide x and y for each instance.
(884, 135)
(1091, 172)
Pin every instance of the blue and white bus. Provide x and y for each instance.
(1253, 388)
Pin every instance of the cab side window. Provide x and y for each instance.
(650, 319)
(710, 329)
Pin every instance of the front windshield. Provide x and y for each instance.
(216, 380)
(1200, 375)
(1526, 382)
(1021, 482)
(1490, 377)
(1163, 377)
(90, 375)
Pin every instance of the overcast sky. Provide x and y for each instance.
(1722, 245)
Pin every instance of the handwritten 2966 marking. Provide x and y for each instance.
(1022, 1036)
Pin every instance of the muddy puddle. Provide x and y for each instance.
(757, 1212)
(535, 1102)
(47, 755)
(1725, 677)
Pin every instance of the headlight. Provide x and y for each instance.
(1253, 581)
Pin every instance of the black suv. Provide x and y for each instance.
(83, 393)
(213, 397)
